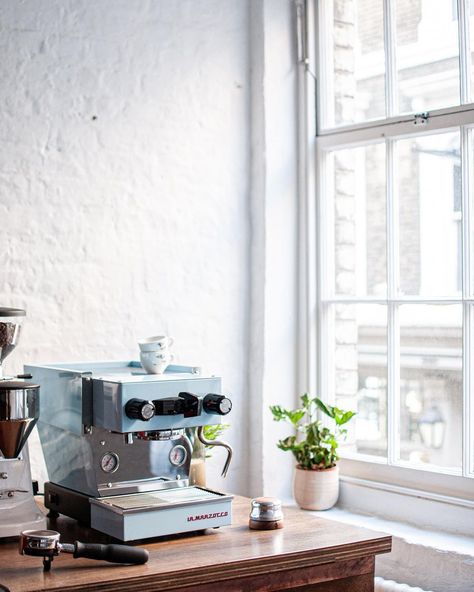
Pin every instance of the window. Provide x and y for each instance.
(395, 270)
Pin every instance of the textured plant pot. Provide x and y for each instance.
(316, 490)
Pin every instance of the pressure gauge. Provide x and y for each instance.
(109, 463)
(178, 455)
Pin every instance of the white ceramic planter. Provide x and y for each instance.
(316, 490)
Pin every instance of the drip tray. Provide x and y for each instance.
(160, 513)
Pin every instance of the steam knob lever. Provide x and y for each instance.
(185, 404)
(140, 409)
(217, 404)
(192, 404)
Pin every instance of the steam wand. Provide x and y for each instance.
(206, 442)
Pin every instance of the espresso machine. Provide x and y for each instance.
(19, 410)
(115, 445)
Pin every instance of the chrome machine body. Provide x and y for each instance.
(19, 410)
(116, 449)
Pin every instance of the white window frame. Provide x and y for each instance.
(392, 474)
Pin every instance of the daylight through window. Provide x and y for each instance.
(395, 156)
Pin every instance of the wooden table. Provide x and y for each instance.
(308, 554)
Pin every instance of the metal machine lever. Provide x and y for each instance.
(228, 447)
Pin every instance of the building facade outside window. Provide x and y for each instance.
(395, 219)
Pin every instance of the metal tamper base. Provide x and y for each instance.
(266, 514)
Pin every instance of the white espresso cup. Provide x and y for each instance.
(155, 362)
(155, 343)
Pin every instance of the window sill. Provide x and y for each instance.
(429, 559)
(436, 485)
(440, 513)
(411, 535)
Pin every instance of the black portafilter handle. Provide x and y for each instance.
(111, 553)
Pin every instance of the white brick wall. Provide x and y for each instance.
(124, 175)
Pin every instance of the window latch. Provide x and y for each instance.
(421, 118)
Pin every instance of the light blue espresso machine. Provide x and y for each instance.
(115, 445)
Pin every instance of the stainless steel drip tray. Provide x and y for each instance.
(160, 513)
(139, 502)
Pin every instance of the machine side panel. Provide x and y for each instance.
(61, 397)
(70, 459)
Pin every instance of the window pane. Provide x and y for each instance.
(353, 52)
(427, 55)
(360, 360)
(359, 221)
(430, 215)
(431, 384)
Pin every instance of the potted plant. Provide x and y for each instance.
(316, 483)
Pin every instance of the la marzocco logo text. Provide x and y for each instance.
(207, 516)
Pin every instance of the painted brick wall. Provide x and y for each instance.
(124, 177)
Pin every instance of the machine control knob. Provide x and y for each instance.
(139, 409)
(217, 404)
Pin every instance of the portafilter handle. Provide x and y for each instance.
(45, 543)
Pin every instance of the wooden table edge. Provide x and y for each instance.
(232, 570)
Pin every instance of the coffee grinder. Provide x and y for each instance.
(19, 412)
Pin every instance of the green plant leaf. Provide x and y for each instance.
(326, 409)
(288, 443)
(212, 432)
(278, 412)
(296, 415)
(306, 400)
(345, 417)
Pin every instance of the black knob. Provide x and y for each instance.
(139, 409)
(217, 404)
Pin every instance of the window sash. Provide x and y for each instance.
(324, 109)
(360, 134)
(393, 300)
(391, 128)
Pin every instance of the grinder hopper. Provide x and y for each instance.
(19, 400)
(10, 325)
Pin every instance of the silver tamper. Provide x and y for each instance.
(266, 514)
(45, 544)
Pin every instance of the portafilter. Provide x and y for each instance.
(46, 544)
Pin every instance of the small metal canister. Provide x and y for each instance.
(266, 514)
